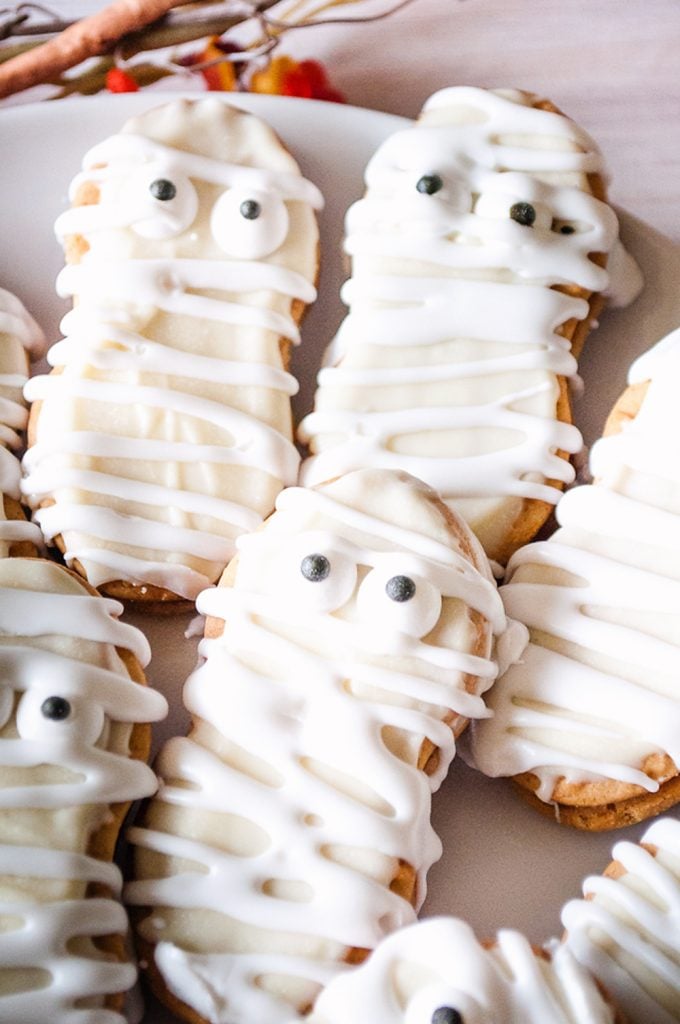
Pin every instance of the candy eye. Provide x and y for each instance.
(563, 227)
(523, 213)
(447, 1015)
(407, 603)
(249, 224)
(56, 709)
(326, 581)
(162, 189)
(400, 588)
(429, 184)
(167, 205)
(313, 572)
(250, 209)
(315, 568)
(53, 717)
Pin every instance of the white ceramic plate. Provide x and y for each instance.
(503, 865)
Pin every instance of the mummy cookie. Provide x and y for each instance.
(346, 649)
(165, 430)
(20, 340)
(589, 719)
(627, 929)
(436, 972)
(73, 739)
(478, 259)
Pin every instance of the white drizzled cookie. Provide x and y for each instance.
(627, 930)
(20, 339)
(72, 744)
(347, 647)
(165, 430)
(477, 259)
(590, 716)
(436, 972)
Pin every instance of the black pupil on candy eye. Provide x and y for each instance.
(523, 213)
(400, 588)
(446, 1015)
(315, 568)
(429, 184)
(162, 189)
(567, 229)
(55, 708)
(250, 209)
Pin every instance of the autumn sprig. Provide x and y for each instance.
(158, 31)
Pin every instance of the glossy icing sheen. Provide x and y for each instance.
(447, 363)
(20, 339)
(439, 963)
(58, 779)
(628, 930)
(167, 432)
(595, 694)
(286, 813)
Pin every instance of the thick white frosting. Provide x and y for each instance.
(21, 339)
(627, 930)
(59, 777)
(595, 693)
(439, 963)
(166, 432)
(285, 814)
(447, 363)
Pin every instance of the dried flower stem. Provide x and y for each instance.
(128, 27)
(90, 37)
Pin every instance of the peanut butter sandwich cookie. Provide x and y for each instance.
(346, 648)
(589, 719)
(164, 430)
(74, 737)
(478, 265)
(21, 339)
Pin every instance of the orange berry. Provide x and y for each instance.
(118, 80)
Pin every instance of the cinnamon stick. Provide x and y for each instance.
(89, 37)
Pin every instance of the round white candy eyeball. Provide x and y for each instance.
(401, 601)
(249, 223)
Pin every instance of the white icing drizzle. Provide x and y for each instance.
(431, 270)
(627, 931)
(47, 640)
(130, 364)
(317, 675)
(20, 337)
(600, 697)
(439, 963)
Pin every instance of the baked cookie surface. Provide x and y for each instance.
(164, 430)
(589, 719)
(346, 648)
(73, 742)
(478, 258)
